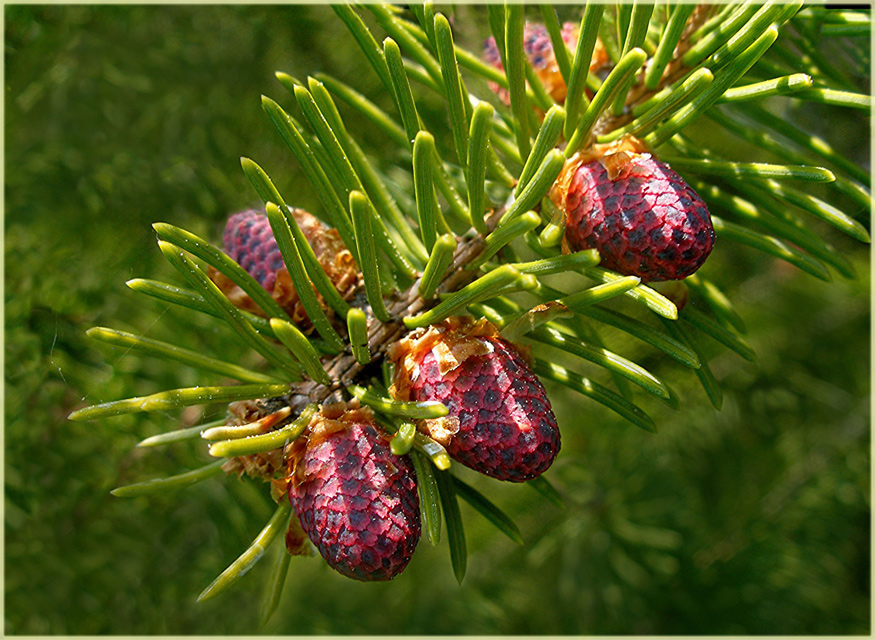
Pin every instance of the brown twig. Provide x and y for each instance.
(344, 369)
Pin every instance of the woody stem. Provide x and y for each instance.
(343, 368)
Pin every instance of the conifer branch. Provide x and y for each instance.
(417, 269)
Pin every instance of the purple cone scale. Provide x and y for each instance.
(500, 421)
(250, 243)
(355, 499)
(540, 54)
(639, 214)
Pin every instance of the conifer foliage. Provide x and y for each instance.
(417, 321)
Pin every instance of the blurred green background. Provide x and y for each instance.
(751, 520)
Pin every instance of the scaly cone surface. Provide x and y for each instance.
(355, 499)
(641, 216)
(249, 241)
(539, 51)
(500, 421)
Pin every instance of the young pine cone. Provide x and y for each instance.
(500, 422)
(355, 499)
(641, 216)
(539, 51)
(249, 241)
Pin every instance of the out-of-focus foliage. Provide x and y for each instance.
(751, 520)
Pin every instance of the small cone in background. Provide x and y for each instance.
(539, 50)
(249, 241)
(500, 421)
(263, 465)
(355, 499)
(641, 216)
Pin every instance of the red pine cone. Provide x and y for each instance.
(249, 241)
(500, 422)
(356, 500)
(641, 216)
(539, 51)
